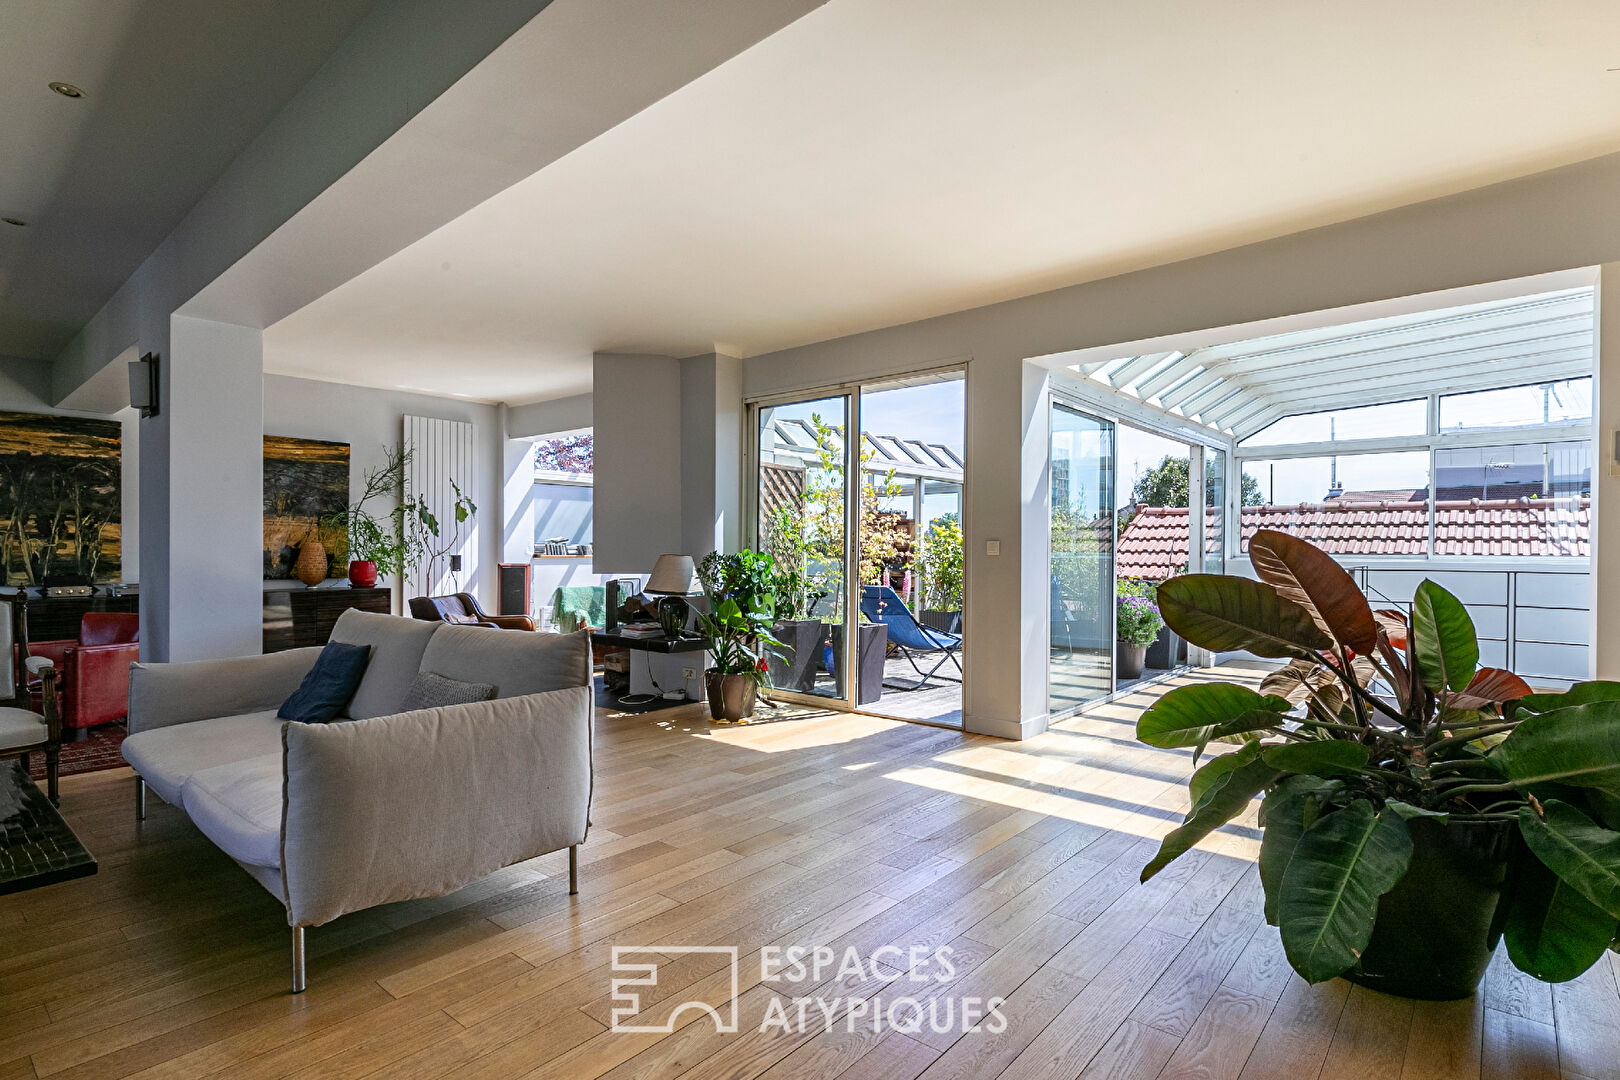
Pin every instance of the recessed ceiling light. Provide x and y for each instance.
(67, 89)
(19, 222)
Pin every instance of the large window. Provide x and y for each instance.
(1347, 504)
(1520, 499)
(563, 495)
(1518, 406)
(1342, 425)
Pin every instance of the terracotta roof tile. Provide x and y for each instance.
(1154, 544)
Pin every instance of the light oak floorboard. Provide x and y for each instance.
(810, 829)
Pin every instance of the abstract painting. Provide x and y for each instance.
(306, 490)
(59, 498)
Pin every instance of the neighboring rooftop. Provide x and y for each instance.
(1154, 543)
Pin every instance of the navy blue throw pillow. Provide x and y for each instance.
(329, 685)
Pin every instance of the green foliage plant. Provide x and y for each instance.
(740, 589)
(1376, 719)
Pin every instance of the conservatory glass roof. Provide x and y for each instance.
(1240, 387)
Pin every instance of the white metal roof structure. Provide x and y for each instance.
(796, 440)
(1240, 387)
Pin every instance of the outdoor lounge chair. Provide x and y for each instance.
(881, 604)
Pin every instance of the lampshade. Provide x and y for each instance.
(671, 574)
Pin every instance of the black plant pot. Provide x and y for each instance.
(948, 621)
(801, 642)
(1129, 659)
(1166, 651)
(873, 645)
(1436, 929)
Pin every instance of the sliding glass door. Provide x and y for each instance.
(1081, 636)
(802, 496)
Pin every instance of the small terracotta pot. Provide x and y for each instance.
(731, 697)
(363, 573)
(311, 565)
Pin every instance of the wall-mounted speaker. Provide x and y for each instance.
(143, 384)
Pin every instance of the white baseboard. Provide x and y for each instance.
(1002, 728)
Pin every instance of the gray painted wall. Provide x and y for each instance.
(638, 437)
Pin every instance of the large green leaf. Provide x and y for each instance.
(1583, 693)
(1225, 613)
(1309, 577)
(1576, 848)
(1285, 815)
(1579, 746)
(1216, 767)
(1193, 715)
(1329, 895)
(1443, 640)
(1325, 757)
(1225, 799)
(1553, 932)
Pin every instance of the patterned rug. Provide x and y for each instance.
(99, 750)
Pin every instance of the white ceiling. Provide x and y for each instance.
(886, 160)
(174, 90)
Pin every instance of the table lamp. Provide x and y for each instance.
(671, 580)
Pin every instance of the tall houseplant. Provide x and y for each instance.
(740, 592)
(377, 545)
(1416, 804)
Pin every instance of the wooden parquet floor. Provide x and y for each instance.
(841, 831)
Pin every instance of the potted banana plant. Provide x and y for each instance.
(1418, 807)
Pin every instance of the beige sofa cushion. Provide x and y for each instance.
(238, 807)
(167, 757)
(396, 656)
(515, 662)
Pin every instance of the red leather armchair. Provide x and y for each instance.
(93, 672)
(463, 608)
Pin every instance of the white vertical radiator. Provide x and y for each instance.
(442, 454)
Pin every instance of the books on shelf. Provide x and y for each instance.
(641, 630)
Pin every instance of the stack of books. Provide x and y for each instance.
(641, 630)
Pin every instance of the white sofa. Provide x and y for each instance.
(381, 806)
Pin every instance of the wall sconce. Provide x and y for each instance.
(143, 384)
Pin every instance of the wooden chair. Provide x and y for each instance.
(24, 732)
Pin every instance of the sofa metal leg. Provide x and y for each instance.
(298, 959)
(573, 870)
(140, 799)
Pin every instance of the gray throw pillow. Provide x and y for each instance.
(430, 690)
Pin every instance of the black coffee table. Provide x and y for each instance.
(36, 846)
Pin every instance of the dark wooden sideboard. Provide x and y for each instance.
(57, 618)
(295, 618)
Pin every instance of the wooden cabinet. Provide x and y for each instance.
(295, 618)
(57, 618)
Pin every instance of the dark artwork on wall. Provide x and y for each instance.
(306, 490)
(59, 500)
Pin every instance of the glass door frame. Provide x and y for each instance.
(851, 394)
(1097, 407)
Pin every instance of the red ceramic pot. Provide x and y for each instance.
(362, 573)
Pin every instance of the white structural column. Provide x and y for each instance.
(1033, 550)
(637, 439)
(711, 453)
(202, 496)
(1606, 479)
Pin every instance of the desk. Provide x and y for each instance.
(654, 665)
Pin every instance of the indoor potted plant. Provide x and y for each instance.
(377, 546)
(737, 625)
(1138, 623)
(1416, 805)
